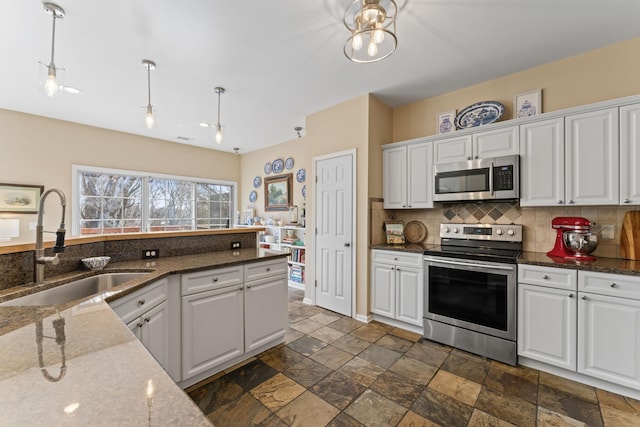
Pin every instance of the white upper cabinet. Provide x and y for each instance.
(592, 158)
(630, 155)
(479, 145)
(542, 163)
(456, 149)
(407, 176)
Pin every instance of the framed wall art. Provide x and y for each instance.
(527, 104)
(445, 122)
(277, 192)
(16, 198)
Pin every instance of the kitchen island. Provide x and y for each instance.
(95, 371)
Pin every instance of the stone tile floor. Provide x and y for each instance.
(333, 370)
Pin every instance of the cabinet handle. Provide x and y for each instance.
(395, 258)
(570, 295)
(268, 268)
(477, 157)
(215, 279)
(570, 202)
(141, 302)
(248, 286)
(468, 157)
(560, 202)
(241, 288)
(584, 297)
(614, 285)
(397, 269)
(404, 206)
(626, 201)
(393, 268)
(139, 325)
(545, 277)
(147, 319)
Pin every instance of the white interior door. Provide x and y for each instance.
(334, 233)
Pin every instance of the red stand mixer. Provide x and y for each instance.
(574, 238)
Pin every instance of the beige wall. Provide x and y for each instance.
(602, 74)
(40, 151)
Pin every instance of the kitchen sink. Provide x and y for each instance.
(74, 290)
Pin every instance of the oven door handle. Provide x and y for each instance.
(470, 264)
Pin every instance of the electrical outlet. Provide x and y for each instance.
(608, 231)
(32, 225)
(235, 245)
(150, 253)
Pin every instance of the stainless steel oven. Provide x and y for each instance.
(470, 289)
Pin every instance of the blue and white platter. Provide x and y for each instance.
(304, 191)
(301, 175)
(288, 163)
(267, 168)
(253, 196)
(481, 113)
(257, 181)
(277, 166)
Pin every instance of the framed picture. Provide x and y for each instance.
(16, 198)
(444, 122)
(527, 104)
(277, 192)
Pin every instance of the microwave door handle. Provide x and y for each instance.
(491, 180)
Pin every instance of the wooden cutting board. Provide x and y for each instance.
(630, 236)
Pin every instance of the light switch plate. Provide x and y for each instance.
(608, 231)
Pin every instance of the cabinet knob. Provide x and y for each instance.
(393, 268)
(397, 269)
(268, 268)
(146, 319)
(141, 301)
(469, 158)
(404, 206)
(347, 245)
(545, 277)
(395, 258)
(583, 297)
(476, 157)
(626, 201)
(215, 279)
(139, 325)
(560, 202)
(570, 202)
(614, 285)
(570, 295)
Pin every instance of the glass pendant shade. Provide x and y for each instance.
(149, 119)
(373, 21)
(219, 136)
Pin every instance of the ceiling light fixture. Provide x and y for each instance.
(219, 90)
(236, 149)
(149, 119)
(372, 22)
(298, 129)
(51, 83)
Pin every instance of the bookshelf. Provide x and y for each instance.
(289, 239)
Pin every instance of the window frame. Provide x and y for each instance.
(76, 170)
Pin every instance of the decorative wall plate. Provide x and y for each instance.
(277, 166)
(415, 232)
(257, 181)
(481, 113)
(288, 163)
(267, 168)
(301, 175)
(304, 191)
(253, 196)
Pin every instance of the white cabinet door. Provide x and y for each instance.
(547, 325)
(383, 294)
(155, 333)
(135, 326)
(409, 291)
(592, 162)
(609, 338)
(394, 177)
(456, 149)
(542, 163)
(496, 143)
(420, 179)
(212, 329)
(630, 155)
(265, 311)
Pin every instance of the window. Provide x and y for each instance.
(111, 201)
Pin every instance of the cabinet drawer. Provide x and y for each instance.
(201, 281)
(615, 285)
(132, 306)
(397, 258)
(260, 270)
(558, 278)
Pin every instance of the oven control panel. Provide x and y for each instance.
(499, 232)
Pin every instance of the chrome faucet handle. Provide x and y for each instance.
(53, 260)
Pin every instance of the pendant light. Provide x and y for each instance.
(219, 136)
(51, 83)
(372, 22)
(149, 119)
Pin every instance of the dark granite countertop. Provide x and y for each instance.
(602, 265)
(107, 367)
(408, 247)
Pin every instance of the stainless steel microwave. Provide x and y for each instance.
(496, 178)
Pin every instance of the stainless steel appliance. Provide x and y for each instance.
(470, 289)
(480, 179)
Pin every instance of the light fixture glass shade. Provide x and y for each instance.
(149, 120)
(51, 80)
(373, 21)
(219, 134)
(9, 228)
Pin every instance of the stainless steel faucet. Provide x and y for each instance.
(40, 259)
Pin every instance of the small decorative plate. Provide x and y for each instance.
(304, 191)
(277, 166)
(257, 181)
(288, 163)
(301, 175)
(253, 196)
(481, 113)
(415, 232)
(267, 168)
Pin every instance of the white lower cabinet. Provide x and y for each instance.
(265, 311)
(397, 286)
(152, 329)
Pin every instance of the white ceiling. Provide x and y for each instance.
(279, 61)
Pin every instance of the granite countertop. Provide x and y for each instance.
(107, 368)
(417, 248)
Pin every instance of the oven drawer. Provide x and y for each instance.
(615, 285)
(397, 258)
(558, 278)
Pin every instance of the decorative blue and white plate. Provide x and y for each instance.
(277, 166)
(304, 191)
(288, 163)
(267, 168)
(481, 113)
(257, 181)
(253, 196)
(301, 175)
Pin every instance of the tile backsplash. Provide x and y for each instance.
(538, 235)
